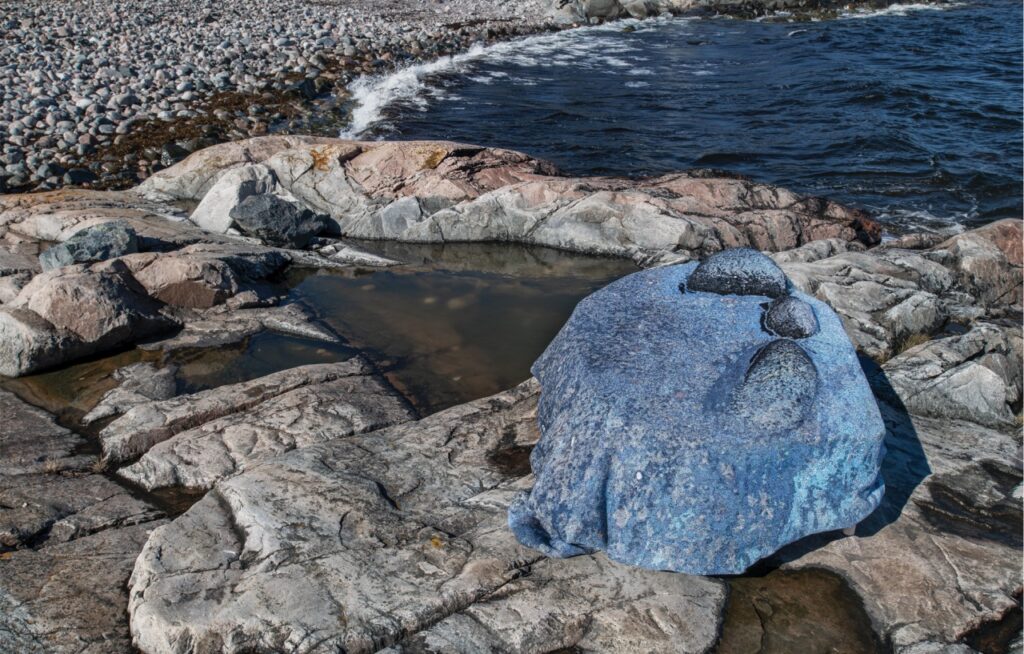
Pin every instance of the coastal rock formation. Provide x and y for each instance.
(183, 275)
(974, 376)
(98, 243)
(295, 408)
(68, 540)
(277, 221)
(891, 296)
(749, 443)
(404, 191)
(938, 563)
(439, 191)
(341, 398)
(402, 532)
(402, 529)
(138, 383)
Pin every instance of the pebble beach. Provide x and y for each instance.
(102, 94)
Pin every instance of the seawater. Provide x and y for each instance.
(911, 112)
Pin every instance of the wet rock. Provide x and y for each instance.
(790, 317)
(354, 401)
(234, 325)
(663, 416)
(138, 383)
(79, 176)
(145, 425)
(98, 243)
(738, 271)
(277, 221)
(402, 531)
(32, 442)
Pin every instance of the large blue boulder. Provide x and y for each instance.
(680, 433)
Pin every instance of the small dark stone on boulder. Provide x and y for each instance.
(97, 243)
(791, 317)
(739, 271)
(779, 388)
(277, 221)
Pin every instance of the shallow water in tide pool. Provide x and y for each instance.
(912, 112)
(459, 321)
(456, 323)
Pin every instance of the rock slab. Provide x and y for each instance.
(397, 539)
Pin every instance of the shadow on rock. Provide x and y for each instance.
(905, 465)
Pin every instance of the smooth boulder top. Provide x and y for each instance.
(678, 433)
(790, 317)
(739, 271)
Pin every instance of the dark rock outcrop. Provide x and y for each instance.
(98, 243)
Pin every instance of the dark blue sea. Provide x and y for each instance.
(913, 112)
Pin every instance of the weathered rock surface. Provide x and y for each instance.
(440, 191)
(974, 376)
(31, 442)
(941, 556)
(335, 400)
(233, 324)
(180, 273)
(203, 275)
(230, 190)
(402, 532)
(16, 270)
(277, 221)
(138, 383)
(372, 404)
(29, 342)
(51, 508)
(102, 304)
(97, 243)
(74, 535)
(890, 296)
(679, 435)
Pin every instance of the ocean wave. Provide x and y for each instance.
(372, 94)
(899, 9)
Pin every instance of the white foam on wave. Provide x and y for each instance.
(373, 94)
(899, 9)
(411, 86)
